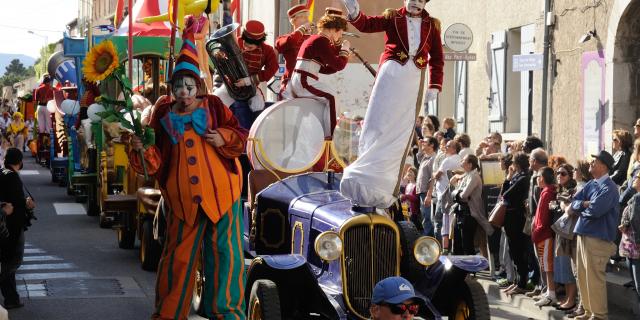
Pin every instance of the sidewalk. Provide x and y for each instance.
(621, 300)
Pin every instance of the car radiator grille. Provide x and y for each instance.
(370, 254)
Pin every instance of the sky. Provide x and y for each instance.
(46, 18)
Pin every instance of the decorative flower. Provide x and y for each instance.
(100, 62)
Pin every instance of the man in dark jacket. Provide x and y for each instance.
(12, 248)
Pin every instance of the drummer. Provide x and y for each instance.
(324, 53)
(42, 96)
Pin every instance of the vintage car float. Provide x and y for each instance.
(312, 253)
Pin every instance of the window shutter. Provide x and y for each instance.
(498, 72)
(461, 95)
(527, 45)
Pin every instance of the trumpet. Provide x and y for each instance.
(350, 34)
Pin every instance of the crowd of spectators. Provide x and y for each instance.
(563, 224)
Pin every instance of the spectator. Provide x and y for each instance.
(514, 195)
(490, 145)
(449, 124)
(582, 175)
(629, 190)
(541, 232)
(597, 208)
(465, 143)
(418, 128)
(537, 160)
(424, 183)
(12, 248)
(451, 162)
(498, 241)
(5, 121)
(394, 298)
(471, 212)
(565, 248)
(410, 197)
(622, 143)
(16, 131)
(434, 121)
(636, 129)
(556, 161)
(630, 243)
(532, 143)
(427, 129)
(515, 146)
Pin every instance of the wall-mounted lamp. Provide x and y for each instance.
(587, 36)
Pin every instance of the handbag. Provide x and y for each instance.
(496, 217)
(564, 226)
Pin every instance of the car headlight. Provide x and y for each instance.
(328, 246)
(426, 250)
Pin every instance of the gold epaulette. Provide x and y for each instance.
(389, 13)
(437, 24)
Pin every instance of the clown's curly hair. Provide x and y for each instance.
(330, 21)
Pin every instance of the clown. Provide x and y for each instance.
(324, 53)
(197, 143)
(42, 95)
(262, 64)
(412, 42)
(289, 44)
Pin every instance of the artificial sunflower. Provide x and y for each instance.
(100, 62)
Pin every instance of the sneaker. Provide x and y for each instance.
(503, 283)
(509, 288)
(545, 301)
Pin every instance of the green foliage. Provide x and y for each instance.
(15, 72)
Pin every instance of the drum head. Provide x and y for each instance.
(344, 145)
(288, 136)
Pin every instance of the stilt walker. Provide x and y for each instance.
(412, 42)
(197, 143)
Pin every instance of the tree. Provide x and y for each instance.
(16, 67)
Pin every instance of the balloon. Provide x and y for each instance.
(70, 107)
(51, 106)
(93, 110)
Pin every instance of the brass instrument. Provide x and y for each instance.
(227, 57)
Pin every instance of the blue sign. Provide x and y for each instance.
(527, 62)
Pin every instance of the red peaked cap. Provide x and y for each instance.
(297, 9)
(254, 29)
(331, 11)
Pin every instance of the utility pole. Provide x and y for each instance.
(545, 73)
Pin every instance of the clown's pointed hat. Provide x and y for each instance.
(187, 61)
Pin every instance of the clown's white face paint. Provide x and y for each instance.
(414, 7)
(185, 90)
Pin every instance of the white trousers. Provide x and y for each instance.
(388, 126)
(44, 119)
(256, 103)
(305, 86)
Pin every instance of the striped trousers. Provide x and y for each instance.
(219, 245)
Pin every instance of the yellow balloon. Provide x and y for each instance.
(185, 7)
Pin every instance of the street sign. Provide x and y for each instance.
(527, 62)
(459, 56)
(458, 37)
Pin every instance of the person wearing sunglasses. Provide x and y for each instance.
(394, 298)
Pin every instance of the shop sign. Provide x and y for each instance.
(527, 62)
(459, 56)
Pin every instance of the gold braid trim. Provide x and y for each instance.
(389, 13)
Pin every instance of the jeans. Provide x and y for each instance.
(427, 225)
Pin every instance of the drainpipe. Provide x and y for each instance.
(545, 75)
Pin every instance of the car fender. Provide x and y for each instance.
(466, 263)
(297, 284)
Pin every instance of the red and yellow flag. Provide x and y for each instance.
(310, 6)
(119, 13)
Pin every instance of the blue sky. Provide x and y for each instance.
(47, 18)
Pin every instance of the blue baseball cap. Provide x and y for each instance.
(394, 290)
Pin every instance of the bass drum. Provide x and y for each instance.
(288, 137)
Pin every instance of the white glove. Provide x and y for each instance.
(256, 103)
(346, 45)
(432, 94)
(353, 8)
(244, 82)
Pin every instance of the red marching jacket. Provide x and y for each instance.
(288, 45)
(397, 42)
(261, 62)
(319, 48)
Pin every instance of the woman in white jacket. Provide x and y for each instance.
(470, 211)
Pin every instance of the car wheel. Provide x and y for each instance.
(264, 302)
(104, 222)
(472, 303)
(126, 238)
(409, 267)
(198, 288)
(149, 247)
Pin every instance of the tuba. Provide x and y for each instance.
(227, 57)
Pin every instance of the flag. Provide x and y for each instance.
(236, 14)
(119, 13)
(310, 6)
